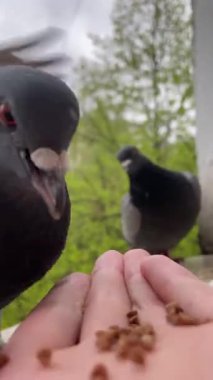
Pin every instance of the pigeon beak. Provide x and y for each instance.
(47, 181)
(51, 187)
(47, 176)
(126, 164)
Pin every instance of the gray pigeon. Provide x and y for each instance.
(39, 115)
(162, 205)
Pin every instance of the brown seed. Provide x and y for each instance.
(133, 340)
(114, 333)
(124, 331)
(136, 354)
(122, 347)
(44, 356)
(136, 330)
(134, 320)
(181, 319)
(185, 319)
(99, 372)
(106, 339)
(176, 316)
(173, 308)
(4, 359)
(148, 342)
(126, 343)
(131, 314)
(104, 344)
(173, 319)
(147, 328)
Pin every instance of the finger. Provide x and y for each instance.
(141, 294)
(55, 323)
(108, 300)
(174, 283)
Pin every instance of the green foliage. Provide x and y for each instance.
(138, 90)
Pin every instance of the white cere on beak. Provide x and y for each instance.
(125, 164)
(65, 161)
(47, 159)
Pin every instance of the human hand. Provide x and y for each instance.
(117, 283)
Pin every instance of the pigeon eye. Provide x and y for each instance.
(6, 116)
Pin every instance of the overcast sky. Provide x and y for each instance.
(79, 17)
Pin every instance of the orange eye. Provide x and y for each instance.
(6, 116)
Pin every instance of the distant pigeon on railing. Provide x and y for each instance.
(161, 206)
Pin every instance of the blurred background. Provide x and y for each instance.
(132, 70)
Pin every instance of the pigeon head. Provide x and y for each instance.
(38, 118)
(131, 159)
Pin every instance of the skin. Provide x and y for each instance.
(81, 304)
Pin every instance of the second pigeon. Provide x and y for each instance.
(161, 206)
